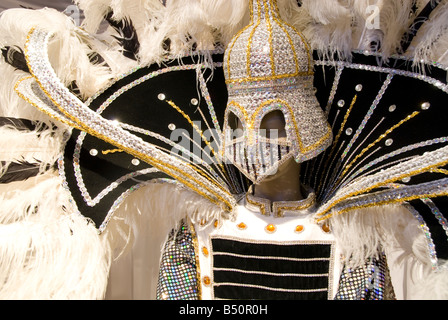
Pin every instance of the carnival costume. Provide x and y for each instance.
(143, 142)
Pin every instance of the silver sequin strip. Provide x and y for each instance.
(437, 83)
(390, 155)
(369, 114)
(80, 181)
(429, 242)
(432, 159)
(334, 88)
(41, 68)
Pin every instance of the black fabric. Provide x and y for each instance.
(407, 93)
(245, 270)
(142, 108)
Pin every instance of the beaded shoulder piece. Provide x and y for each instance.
(153, 143)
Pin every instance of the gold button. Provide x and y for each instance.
(205, 251)
(270, 228)
(207, 280)
(326, 228)
(216, 224)
(299, 228)
(242, 226)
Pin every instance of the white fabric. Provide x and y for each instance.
(134, 275)
(255, 232)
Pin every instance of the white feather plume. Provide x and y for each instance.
(47, 250)
(330, 30)
(434, 286)
(365, 232)
(68, 51)
(431, 43)
(139, 229)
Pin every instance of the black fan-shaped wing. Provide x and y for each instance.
(156, 122)
(390, 145)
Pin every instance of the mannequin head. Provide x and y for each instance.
(283, 184)
(273, 118)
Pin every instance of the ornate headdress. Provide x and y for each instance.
(268, 66)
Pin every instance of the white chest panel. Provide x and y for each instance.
(255, 254)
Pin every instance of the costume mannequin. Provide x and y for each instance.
(101, 149)
(281, 127)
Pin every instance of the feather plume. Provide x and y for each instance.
(69, 49)
(127, 38)
(363, 233)
(433, 286)
(139, 229)
(15, 57)
(48, 250)
(20, 171)
(431, 42)
(330, 31)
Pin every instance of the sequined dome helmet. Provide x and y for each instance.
(269, 68)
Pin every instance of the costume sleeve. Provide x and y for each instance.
(178, 270)
(370, 281)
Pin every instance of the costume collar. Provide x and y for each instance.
(278, 208)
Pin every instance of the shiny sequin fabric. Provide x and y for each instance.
(368, 282)
(178, 274)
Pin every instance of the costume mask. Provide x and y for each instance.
(268, 66)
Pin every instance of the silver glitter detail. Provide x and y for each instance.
(424, 227)
(70, 109)
(431, 159)
(177, 274)
(206, 95)
(437, 83)
(368, 282)
(439, 216)
(80, 180)
(334, 88)
(369, 114)
(260, 81)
